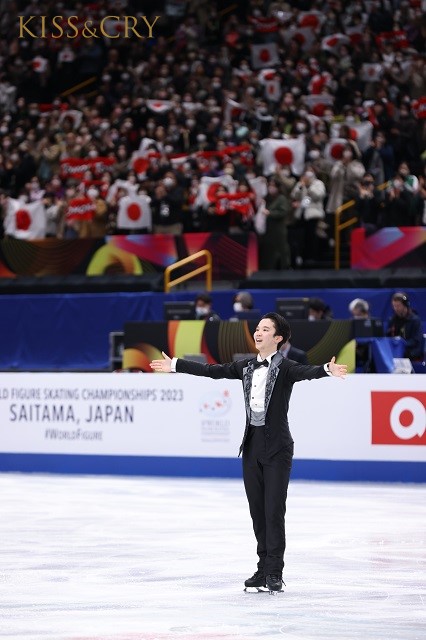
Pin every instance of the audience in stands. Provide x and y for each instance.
(193, 116)
(204, 307)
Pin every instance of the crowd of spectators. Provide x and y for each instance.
(90, 123)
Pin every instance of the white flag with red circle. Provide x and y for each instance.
(419, 108)
(371, 72)
(208, 187)
(334, 149)
(359, 132)
(311, 19)
(289, 151)
(40, 64)
(26, 221)
(232, 109)
(334, 41)
(134, 212)
(264, 55)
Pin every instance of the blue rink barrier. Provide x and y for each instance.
(191, 467)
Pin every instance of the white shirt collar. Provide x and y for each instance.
(269, 358)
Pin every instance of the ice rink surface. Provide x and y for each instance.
(117, 558)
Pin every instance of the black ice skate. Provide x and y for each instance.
(274, 583)
(257, 582)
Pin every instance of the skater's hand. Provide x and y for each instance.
(164, 366)
(337, 370)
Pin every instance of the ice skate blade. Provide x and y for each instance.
(256, 589)
(275, 593)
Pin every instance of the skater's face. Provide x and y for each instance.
(265, 337)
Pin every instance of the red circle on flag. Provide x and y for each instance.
(336, 150)
(23, 220)
(353, 134)
(284, 155)
(140, 165)
(264, 55)
(134, 212)
(309, 21)
(212, 190)
(318, 109)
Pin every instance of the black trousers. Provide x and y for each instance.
(266, 481)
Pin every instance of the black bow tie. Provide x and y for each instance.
(257, 364)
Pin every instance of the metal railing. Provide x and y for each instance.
(340, 226)
(206, 268)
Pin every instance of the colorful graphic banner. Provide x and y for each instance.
(389, 247)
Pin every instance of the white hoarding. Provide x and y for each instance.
(365, 417)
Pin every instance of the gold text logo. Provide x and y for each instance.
(111, 27)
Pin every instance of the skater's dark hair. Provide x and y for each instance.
(282, 328)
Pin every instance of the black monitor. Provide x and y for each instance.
(293, 308)
(248, 314)
(367, 328)
(179, 310)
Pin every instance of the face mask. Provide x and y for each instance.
(168, 182)
(237, 307)
(311, 318)
(300, 126)
(314, 154)
(347, 154)
(201, 312)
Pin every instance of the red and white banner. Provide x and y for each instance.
(333, 42)
(264, 24)
(264, 55)
(26, 221)
(304, 36)
(77, 167)
(316, 103)
(240, 201)
(419, 108)
(397, 39)
(319, 81)
(290, 151)
(355, 33)
(80, 209)
(134, 212)
(159, 106)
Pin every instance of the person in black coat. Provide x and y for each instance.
(292, 353)
(405, 323)
(267, 444)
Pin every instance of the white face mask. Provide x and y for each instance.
(311, 318)
(237, 307)
(201, 312)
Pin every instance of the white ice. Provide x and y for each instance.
(115, 558)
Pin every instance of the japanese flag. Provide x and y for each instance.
(360, 132)
(264, 55)
(290, 151)
(371, 72)
(208, 187)
(273, 89)
(26, 221)
(333, 42)
(40, 64)
(232, 110)
(311, 19)
(134, 212)
(334, 149)
(304, 36)
(316, 103)
(355, 33)
(159, 106)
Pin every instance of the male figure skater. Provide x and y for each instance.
(267, 445)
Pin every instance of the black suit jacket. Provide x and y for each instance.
(282, 374)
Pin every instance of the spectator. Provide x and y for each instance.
(344, 177)
(308, 195)
(274, 250)
(166, 205)
(399, 206)
(204, 307)
(319, 310)
(243, 301)
(368, 201)
(406, 324)
(290, 352)
(359, 309)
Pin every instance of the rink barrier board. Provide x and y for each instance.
(325, 470)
